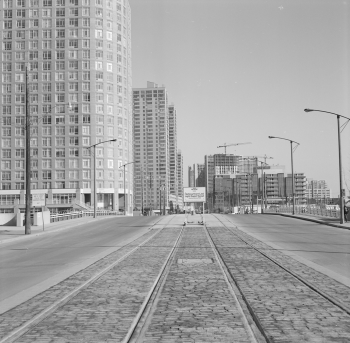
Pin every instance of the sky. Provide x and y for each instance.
(242, 70)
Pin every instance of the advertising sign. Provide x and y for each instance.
(38, 199)
(194, 194)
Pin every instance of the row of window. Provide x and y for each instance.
(61, 54)
(59, 87)
(32, 3)
(59, 152)
(47, 164)
(58, 174)
(44, 185)
(60, 76)
(72, 119)
(47, 34)
(57, 198)
(60, 12)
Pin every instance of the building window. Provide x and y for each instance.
(46, 174)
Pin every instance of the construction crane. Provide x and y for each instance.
(226, 145)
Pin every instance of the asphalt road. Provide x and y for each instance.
(29, 266)
(322, 247)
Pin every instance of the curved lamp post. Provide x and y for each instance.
(124, 186)
(291, 156)
(94, 145)
(340, 160)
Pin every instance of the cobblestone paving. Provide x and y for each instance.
(104, 311)
(195, 303)
(287, 310)
(19, 315)
(323, 282)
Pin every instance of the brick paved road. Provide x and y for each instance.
(287, 310)
(104, 311)
(195, 304)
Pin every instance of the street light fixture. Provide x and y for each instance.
(291, 155)
(124, 185)
(94, 145)
(340, 160)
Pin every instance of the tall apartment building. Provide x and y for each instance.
(155, 148)
(172, 150)
(77, 52)
(192, 176)
(180, 184)
(200, 179)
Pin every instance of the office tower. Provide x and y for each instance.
(75, 52)
(152, 146)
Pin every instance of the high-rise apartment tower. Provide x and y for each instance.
(75, 52)
(155, 149)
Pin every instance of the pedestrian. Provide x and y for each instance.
(346, 210)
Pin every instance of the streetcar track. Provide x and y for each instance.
(226, 275)
(154, 291)
(307, 283)
(28, 325)
(140, 323)
(140, 326)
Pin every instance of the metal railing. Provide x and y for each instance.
(311, 210)
(67, 215)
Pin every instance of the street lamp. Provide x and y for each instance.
(340, 160)
(124, 186)
(291, 155)
(27, 227)
(94, 145)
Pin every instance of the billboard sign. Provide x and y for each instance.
(194, 194)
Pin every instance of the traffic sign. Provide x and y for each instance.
(38, 199)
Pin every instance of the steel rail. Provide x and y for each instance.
(295, 275)
(24, 328)
(227, 275)
(130, 337)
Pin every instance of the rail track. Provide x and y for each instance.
(194, 283)
(17, 322)
(326, 293)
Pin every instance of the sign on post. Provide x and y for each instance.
(194, 194)
(38, 199)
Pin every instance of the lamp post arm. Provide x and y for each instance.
(336, 114)
(285, 139)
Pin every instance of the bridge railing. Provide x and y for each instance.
(311, 210)
(67, 215)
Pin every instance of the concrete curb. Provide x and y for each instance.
(310, 220)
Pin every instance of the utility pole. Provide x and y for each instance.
(28, 171)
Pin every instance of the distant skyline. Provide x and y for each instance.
(239, 71)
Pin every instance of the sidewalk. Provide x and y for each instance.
(330, 221)
(11, 233)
